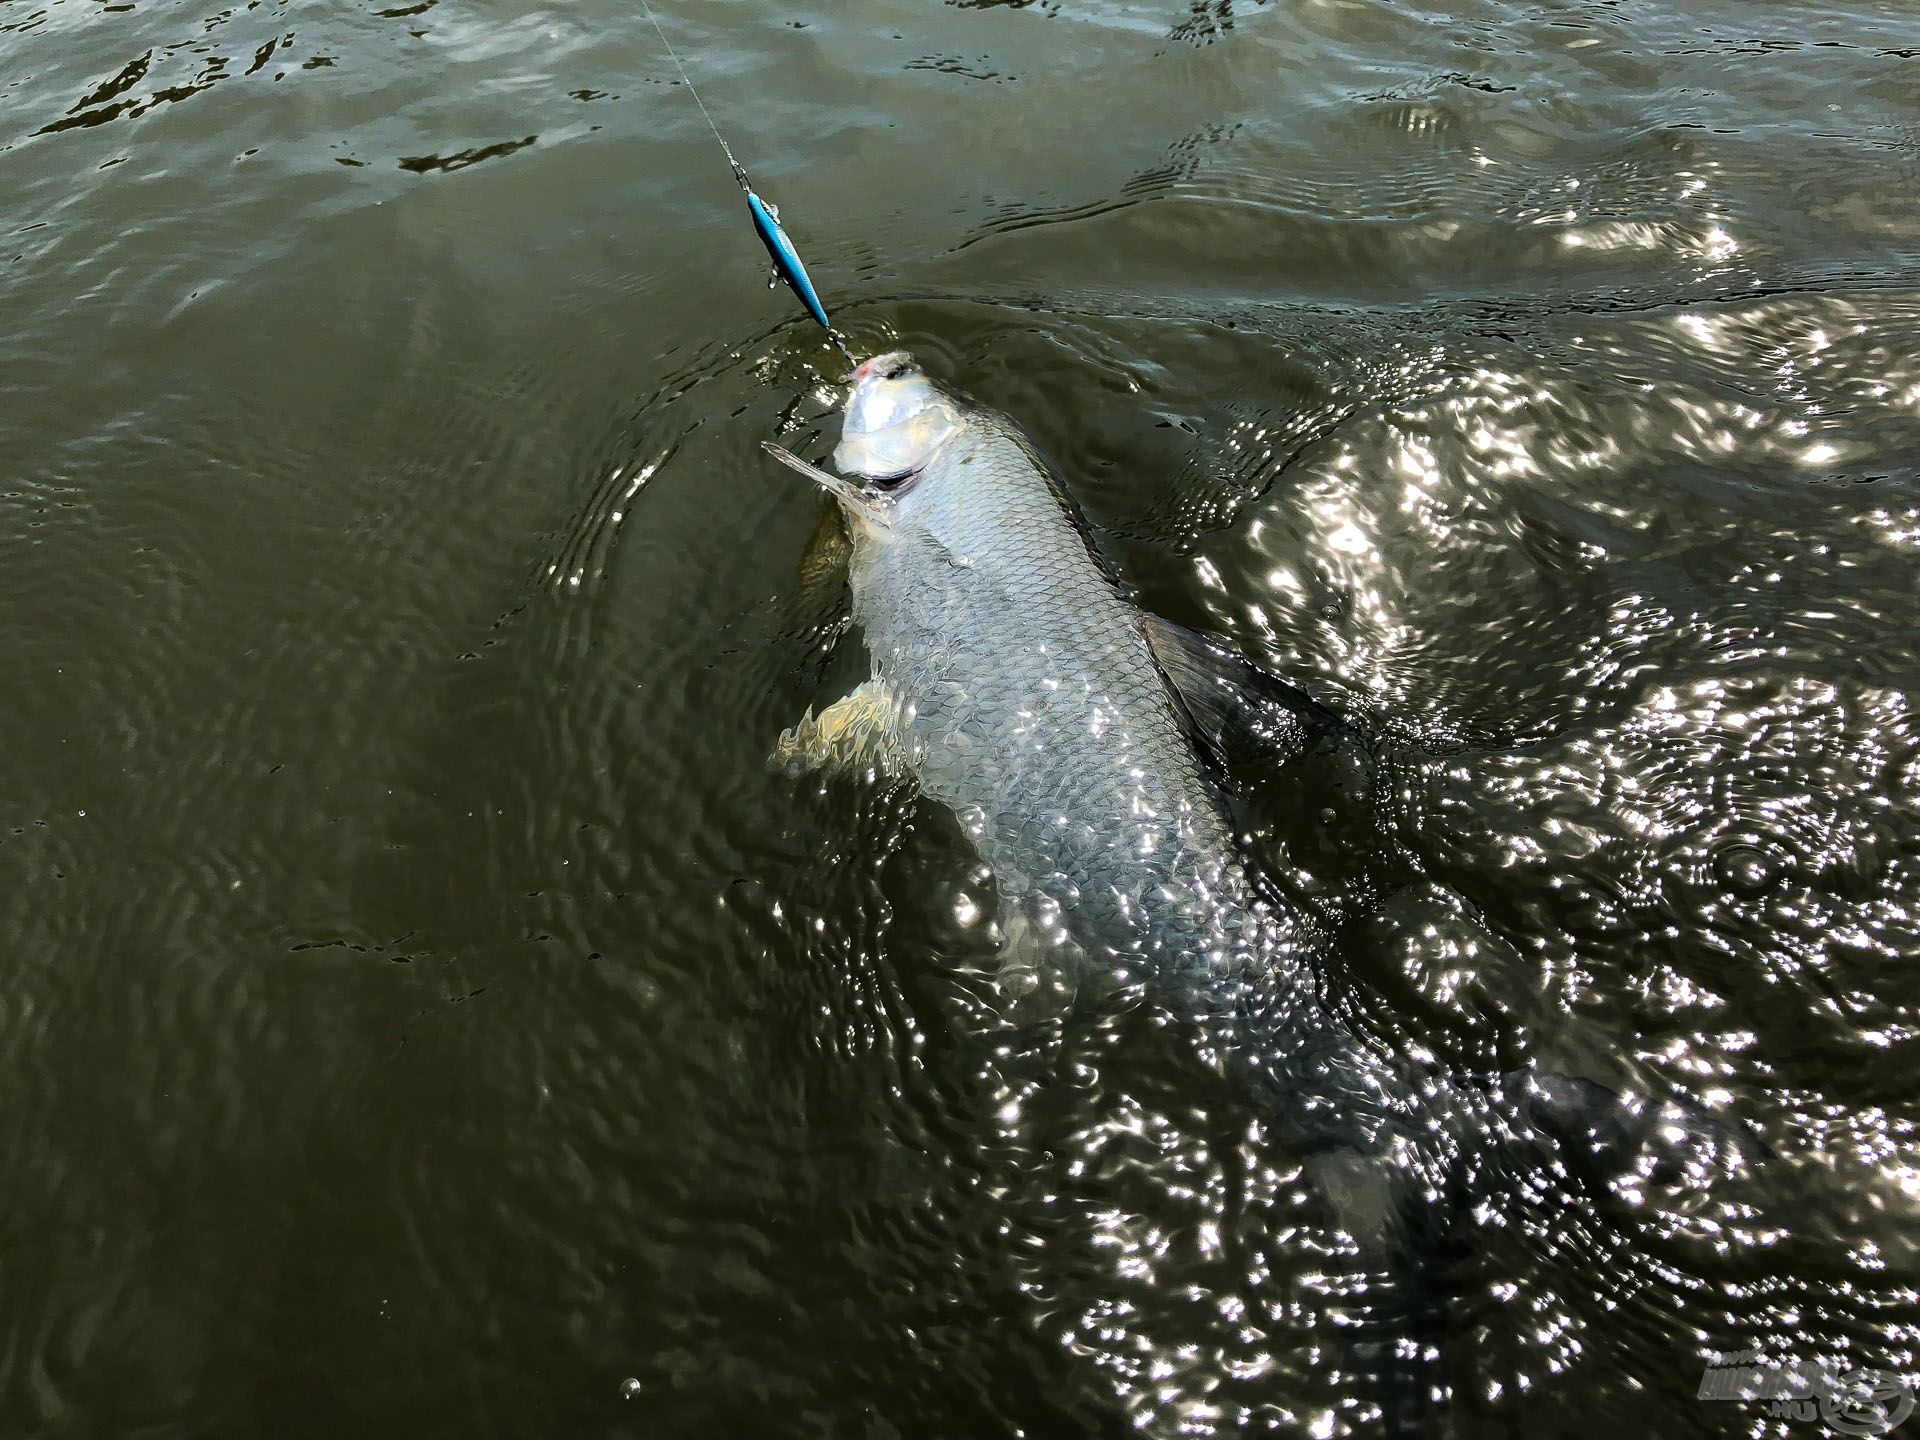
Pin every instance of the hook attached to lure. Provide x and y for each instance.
(766, 217)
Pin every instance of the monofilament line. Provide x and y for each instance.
(739, 171)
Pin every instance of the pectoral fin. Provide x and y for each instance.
(863, 730)
(1041, 965)
(865, 506)
(1243, 712)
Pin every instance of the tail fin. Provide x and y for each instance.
(1357, 1127)
(1619, 1138)
(1403, 1188)
(1393, 1346)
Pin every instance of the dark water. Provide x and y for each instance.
(424, 1014)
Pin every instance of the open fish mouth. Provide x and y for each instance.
(889, 365)
(891, 484)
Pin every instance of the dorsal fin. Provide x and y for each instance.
(1241, 711)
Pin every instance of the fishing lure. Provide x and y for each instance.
(787, 264)
(786, 260)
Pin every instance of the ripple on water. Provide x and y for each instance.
(417, 974)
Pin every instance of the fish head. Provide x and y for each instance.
(897, 421)
(903, 439)
(896, 424)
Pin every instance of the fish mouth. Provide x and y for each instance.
(887, 365)
(889, 485)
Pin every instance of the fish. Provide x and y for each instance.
(1073, 736)
(1077, 740)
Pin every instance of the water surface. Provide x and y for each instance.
(425, 1014)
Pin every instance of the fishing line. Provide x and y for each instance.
(766, 217)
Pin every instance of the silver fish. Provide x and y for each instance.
(1017, 686)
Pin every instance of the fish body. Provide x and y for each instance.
(1015, 683)
(1033, 707)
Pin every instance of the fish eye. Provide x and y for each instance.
(896, 370)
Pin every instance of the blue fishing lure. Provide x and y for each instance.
(786, 260)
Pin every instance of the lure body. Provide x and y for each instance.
(786, 260)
